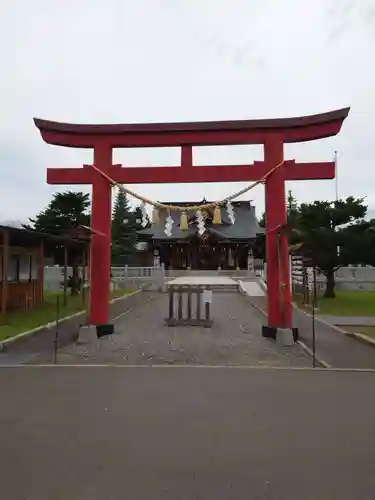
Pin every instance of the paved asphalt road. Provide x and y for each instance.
(90, 433)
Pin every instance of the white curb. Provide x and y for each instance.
(302, 344)
(10, 340)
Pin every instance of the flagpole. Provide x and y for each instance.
(336, 176)
(336, 189)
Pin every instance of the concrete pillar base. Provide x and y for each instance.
(87, 335)
(283, 336)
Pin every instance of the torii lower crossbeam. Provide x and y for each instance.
(189, 174)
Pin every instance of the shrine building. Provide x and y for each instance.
(222, 245)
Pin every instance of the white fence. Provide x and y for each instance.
(136, 277)
(157, 276)
(54, 277)
(348, 278)
(149, 278)
(351, 278)
(121, 277)
(135, 272)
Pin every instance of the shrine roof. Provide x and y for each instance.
(294, 129)
(246, 226)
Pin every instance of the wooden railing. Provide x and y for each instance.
(23, 295)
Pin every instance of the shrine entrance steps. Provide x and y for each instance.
(235, 274)
(214, 283)
(154, 278)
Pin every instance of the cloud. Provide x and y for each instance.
(350, 17)
(154, 60)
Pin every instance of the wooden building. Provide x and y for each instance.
(22, 260)
(222, 246)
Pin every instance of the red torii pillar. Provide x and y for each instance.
(273, 134)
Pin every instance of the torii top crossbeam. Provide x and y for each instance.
(232, 132)
(271, 133)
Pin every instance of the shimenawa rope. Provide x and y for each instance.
(191, 208)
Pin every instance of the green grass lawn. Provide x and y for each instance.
(349, 304)
(16, 322)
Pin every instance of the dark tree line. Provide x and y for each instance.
(332, 234)
(126, 221)
(70, 210)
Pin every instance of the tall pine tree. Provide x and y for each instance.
(64, 213)
(291, 205)
(138, 215)
(124, 235)
(292, 210)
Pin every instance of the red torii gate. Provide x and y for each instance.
(271, 133)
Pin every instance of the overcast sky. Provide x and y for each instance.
(103, 61)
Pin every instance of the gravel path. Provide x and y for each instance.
(143, 339)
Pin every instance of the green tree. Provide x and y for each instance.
(123, 235)
(325, 229)
(292, 209)
(259, 247)
(358, 243)
(65, 212)
(291, 204)
(262, 220)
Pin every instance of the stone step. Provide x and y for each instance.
(217, 288)
(224, 288)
